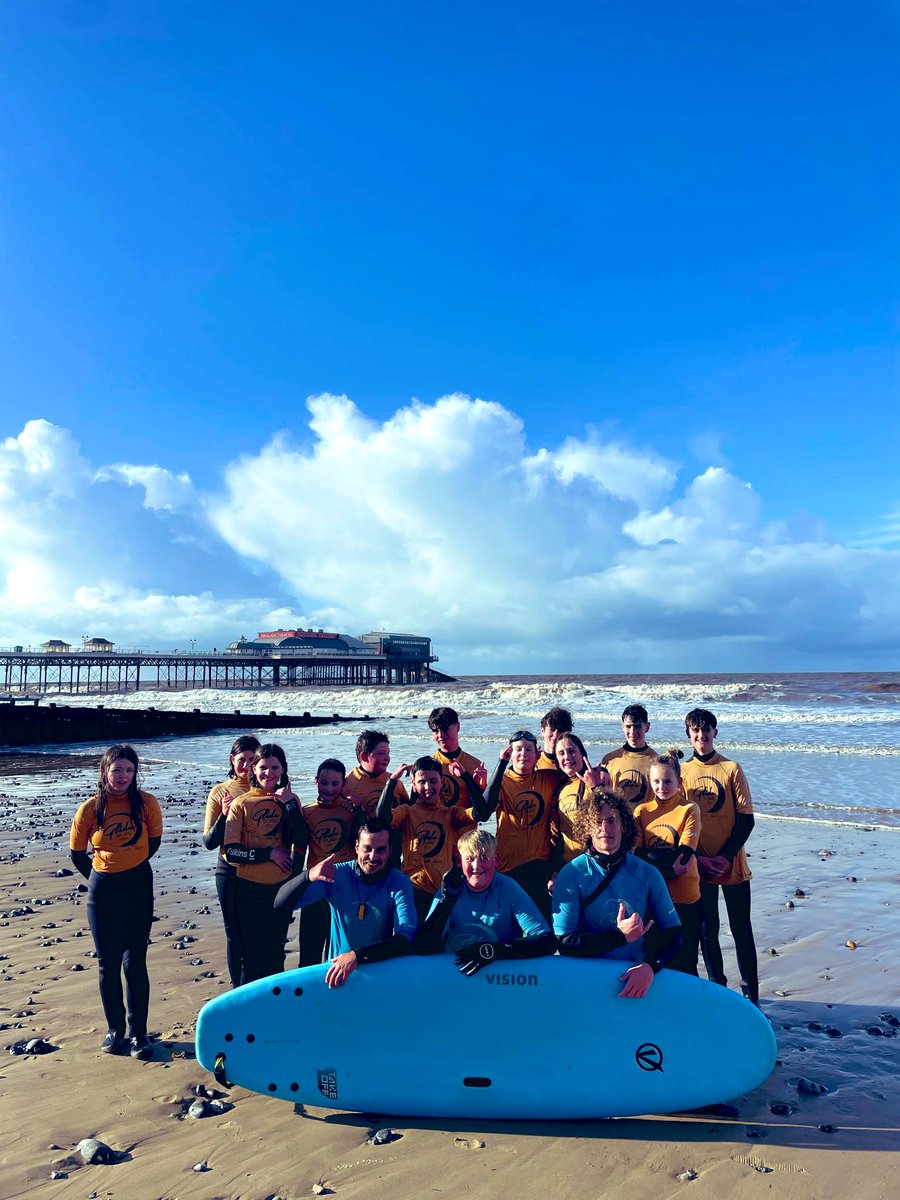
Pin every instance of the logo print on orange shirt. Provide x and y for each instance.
(634, 785)
(709, 793)
(331, 834)
(119, 829)
(266, 815)
(529, 807)
(655, 841)
(449, 791)
(430, 838)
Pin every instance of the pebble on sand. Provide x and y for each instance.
(380, 1137)
(808, 1087)
(94, 1151)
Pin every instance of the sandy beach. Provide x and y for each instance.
(843, 1142)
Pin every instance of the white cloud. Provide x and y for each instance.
(162, 489)
(583, 554)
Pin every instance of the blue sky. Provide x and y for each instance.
(658, 241)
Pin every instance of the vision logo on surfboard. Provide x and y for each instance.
(512, 980)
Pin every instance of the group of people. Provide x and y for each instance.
(625, 858)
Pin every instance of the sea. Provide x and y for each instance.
(815, 747)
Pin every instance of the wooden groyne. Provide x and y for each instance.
(37, 725)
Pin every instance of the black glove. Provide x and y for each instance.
(474, 957)
(452, 883)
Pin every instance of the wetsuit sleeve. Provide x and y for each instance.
(664, 860)
(590, 945)
(665, 944)
(214, 820)
(384, 809)
(477, 802)
(298, 892)
(430, 937)
(295, 830)
(82, 861)
(743, 827)
(495, 784)
(392, 947)
(153, 844)
(214, 835)
(535, 946)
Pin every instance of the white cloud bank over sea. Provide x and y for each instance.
(587, 554)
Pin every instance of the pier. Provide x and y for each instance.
(34, 672)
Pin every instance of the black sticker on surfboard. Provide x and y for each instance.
(326, 1078)
(649, 1057)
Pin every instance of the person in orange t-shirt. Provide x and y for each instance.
(331, 824)
(525, 800)
(265, 838)
(718, 786)
(217, 805)
(430, 829)
(668, 830)
(123, 828)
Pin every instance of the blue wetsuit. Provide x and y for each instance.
(636, 884)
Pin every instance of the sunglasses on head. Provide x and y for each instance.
(522, 735)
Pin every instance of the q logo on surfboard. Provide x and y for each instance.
(649, 1057)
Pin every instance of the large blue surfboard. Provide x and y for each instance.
(539, 1038)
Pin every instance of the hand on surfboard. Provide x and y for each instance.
(341, 968)
(637, 981)
(632, 927)
(323, 871)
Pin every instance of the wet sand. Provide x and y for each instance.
(842, 1143)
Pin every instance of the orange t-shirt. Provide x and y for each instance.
(629, 771)
(365, 789)
(430, 834)
(720, 790)
(453, 790)
(330, 829)
(228, 787)
(115, 847)
(258, 820)
(675, 822)
(527, 817)
(569, 799)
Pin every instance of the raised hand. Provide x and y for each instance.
(595, 777)
(323, 870)
(403, 769)
(632, 927)
(480, 776)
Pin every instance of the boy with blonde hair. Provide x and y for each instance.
(481, 915)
